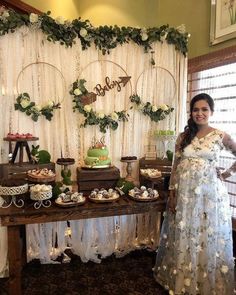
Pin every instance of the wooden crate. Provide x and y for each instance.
(88, 179)
(14, 171)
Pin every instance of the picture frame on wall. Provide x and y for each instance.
(223, 21)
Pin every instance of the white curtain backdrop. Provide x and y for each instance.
(63, 134)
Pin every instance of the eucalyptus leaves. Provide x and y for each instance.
(156, 113)
(105, 38)
(33, 110)
(110, 121)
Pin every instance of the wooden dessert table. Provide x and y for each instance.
(14, 218)
(21, 143)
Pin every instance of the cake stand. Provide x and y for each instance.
(129, 169)
(13, 193)
(66, 165)
(165, 139)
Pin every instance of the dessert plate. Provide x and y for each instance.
(60, 203)
(105, 200)
(143, 199)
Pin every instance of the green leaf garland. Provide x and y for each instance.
(105, 38)
(28, 107)
(155, 113)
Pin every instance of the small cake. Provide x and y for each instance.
(97, 155)
(41, 175)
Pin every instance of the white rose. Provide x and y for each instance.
(101, 115)
(83, 32)
(164, 107)
(60, 20)
(77, 91)
(224, 268)
(144, 36)
(33, 18)
(187, 282)
(114, 116)
(181, 29)
(50, 104)
(87, 108)
(24, 103)
(154, 108)
(5, 14)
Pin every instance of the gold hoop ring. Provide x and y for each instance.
(44, 63)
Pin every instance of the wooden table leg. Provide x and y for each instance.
(14, 257)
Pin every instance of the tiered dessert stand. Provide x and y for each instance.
(12, 193)
(129, 169)
(165, 139)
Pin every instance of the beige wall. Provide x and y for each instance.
(142, 13)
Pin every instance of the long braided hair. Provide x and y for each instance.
(191, 129)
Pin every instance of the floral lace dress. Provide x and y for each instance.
(195, 255)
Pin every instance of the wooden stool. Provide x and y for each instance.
(21, 143)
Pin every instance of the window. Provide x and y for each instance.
(220, 83)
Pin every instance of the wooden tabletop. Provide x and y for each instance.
(123, 206)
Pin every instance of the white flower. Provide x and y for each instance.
(87, 108)
(83, 32)
(101, 115)
(171, 292)
(77, 91)
(114, 116)
(222, 242)
(33, 18)
(60, 20)
(198, 248)
(187, 282)
(154, 108)
(197, 190)
(50, 104)
(24, 103)
(181, 224)
(144, 35)
(190, 266)
(5, 14)
(181, 29)
(164, 107)
(210, 231)
(224, 268)
(164, 236)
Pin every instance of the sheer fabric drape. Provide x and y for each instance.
(63, 133)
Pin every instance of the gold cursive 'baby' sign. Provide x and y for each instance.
(111, 84)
